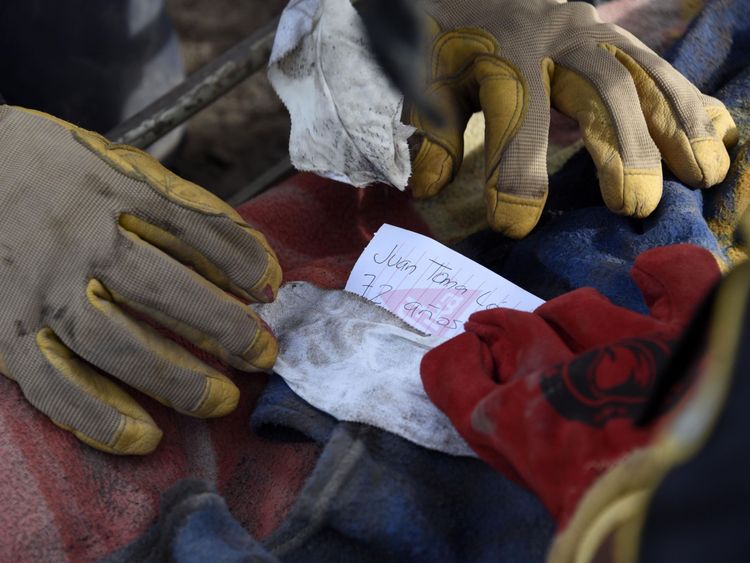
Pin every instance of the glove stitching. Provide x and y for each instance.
(662, 88)
(664, 292)
(525, 203)
(442, 169)
(513, 124)
(699, 165)
(470, 35)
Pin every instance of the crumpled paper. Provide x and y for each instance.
(357, 362)
(346, 117)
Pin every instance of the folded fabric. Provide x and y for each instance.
(194, 525)
(551, 398)
(356, 361)
(372, 497)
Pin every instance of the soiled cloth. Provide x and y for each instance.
(357, 362)
(459, 210)
(372, 497)
(346, 117)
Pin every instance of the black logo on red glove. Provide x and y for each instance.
(606, 383)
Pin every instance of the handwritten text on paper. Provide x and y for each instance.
(428, 285)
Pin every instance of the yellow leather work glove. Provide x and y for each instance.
(87, 227)
(512, 58)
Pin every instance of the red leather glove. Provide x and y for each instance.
(550, 398)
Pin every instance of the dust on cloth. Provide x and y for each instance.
(357, 362)
(322, 70)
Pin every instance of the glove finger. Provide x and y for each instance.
(191, 223)
(517, 115)
(675, 279)
(677, 118)
(77, 398)
(441, 148)
(462, 67)
(457, 375)
(513, 204)
(585, 319)
(724, 126)
(591, 87)
(151, 282)
(136, 354)
(520, 342)
(233, 257)
(185, 220)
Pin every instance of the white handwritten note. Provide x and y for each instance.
(428, 285)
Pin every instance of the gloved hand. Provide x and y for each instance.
(510, 58)
(551, 398)
(88, 227)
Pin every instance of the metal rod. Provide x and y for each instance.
(198, 90)
(272, 176)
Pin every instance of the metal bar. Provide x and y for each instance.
(197, 91)
(279, 171)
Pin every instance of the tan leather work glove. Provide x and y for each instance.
(86, 227)
(511, 58)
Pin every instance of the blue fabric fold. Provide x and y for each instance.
(372, 497)
(384, 498)
(194, 526)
